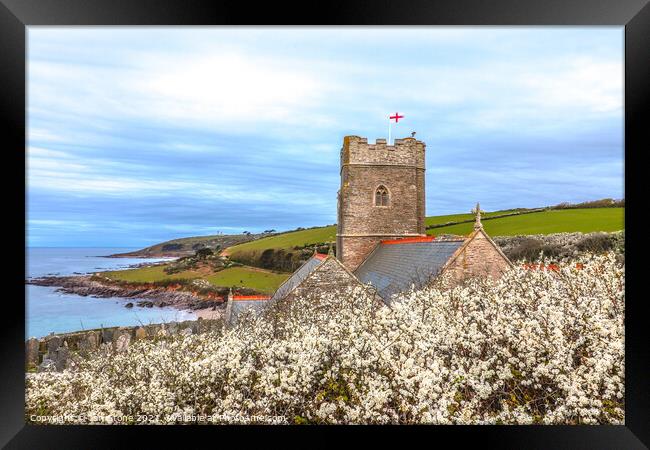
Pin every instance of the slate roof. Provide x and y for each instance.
(298, 276)
(395, 265)
(256, 303)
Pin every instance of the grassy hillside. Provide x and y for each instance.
(289, 240)
(546, 222)
(189, 245)
(436, 220)
(148, 274)
(543, 222)
(260, 280)
(282, 245)
(328, 234)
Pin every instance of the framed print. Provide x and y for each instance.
(382, 215)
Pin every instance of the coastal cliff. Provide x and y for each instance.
(188, 246)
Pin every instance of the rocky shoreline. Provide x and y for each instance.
(85, 286)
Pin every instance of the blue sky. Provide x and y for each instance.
(139, 135)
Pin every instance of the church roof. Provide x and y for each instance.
(299, 275)
(395, 265)
(241, 303)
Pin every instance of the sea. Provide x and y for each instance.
(48, 311)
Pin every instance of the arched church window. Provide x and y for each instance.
(381, 196)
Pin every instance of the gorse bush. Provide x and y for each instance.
(531, 249)
(204, 257)
(560, 245)
(536, 346)
(597, 243)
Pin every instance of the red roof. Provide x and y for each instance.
(320, 256)
(408, 240)
(251, 297)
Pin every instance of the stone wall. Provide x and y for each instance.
(478, 258)
(53, 352)
(354, 250)
(365, 167)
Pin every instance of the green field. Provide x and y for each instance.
(435, 220)
(328, 234)
(148, 274)
(263, 281)
(245, 277)
(546, 222)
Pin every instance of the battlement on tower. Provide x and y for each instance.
(404, 152)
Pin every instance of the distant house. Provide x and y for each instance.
(381, 235)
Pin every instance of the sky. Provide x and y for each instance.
(138, 135)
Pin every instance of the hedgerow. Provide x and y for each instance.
(536, 346)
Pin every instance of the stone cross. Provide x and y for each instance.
(228, 313)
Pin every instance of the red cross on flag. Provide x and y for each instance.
(396, 118)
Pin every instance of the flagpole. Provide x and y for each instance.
(389, 127)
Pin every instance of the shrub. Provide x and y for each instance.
(560, 245)
(204, 253)
(171, 247)
(597, 243)
(277, 259)
(533, 347)
(530, 249)
(181, 264)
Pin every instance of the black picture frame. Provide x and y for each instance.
(16, 15)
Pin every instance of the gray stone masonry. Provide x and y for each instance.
(364, 168)
(477, 258)
(53, 352)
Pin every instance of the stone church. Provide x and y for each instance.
(381, 234)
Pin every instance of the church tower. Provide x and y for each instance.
(381, 195)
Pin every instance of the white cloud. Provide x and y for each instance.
(230, 88)
(584, 84)
(231, 82)
(255, 116)
(40, 152)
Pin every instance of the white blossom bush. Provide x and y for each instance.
(536, 346)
